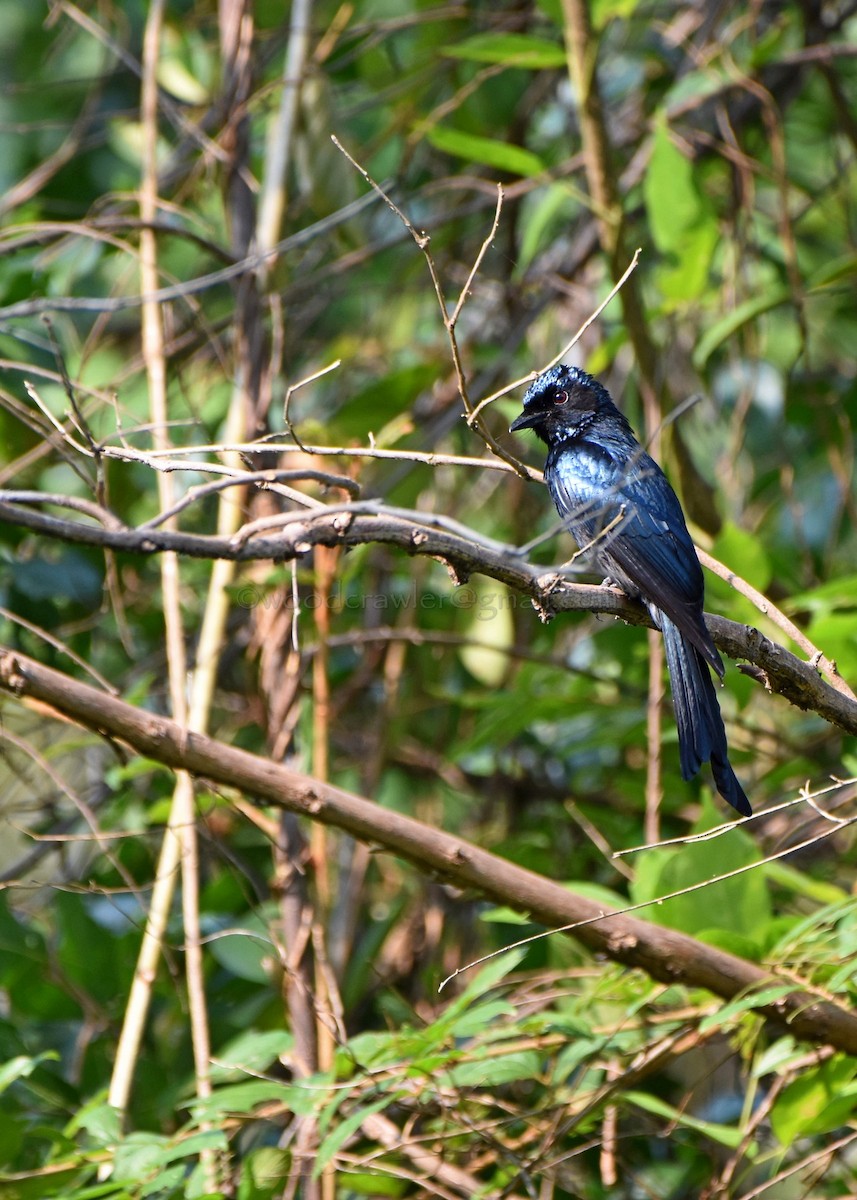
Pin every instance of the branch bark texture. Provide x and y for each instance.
(465, 553)
(662, 953)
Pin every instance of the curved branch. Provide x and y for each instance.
(464, 553)
(664, 954)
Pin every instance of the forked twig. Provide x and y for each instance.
(596, 313)
(449, 321)
(294, 387)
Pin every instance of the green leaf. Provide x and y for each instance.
(724, 329)
(503, 915)
(100, 1120)
(254, 1050)
(744, 554)
(819, 890)
(724, 1134)
(244, 1096)
(488, 977)
(604, 11)
(263, 1173)
(479, 1017)
(492, 153)
(681, 219)
(674, 205)
(739, 904)
(837, 634)
(493, 1070)
(839, 593)
(246, 949)
(813, 1102)
(743, 1004)
(22, 1066)
(343, 1131)
(547, 212)
(491, 627)
(510, 49)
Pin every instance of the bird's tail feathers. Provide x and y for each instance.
(701, 733)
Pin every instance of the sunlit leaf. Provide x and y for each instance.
(722, 1134)
(510, 49)
(817, 1101)
(485, 150)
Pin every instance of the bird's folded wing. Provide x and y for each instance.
(634, 525)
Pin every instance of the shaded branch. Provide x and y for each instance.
(663, 954)
(464, 553)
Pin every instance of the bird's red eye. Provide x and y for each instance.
(560, 398)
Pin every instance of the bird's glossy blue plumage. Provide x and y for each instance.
(617, 503)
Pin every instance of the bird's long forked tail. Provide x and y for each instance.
(701, 732)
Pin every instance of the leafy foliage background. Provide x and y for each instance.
(546, 1072)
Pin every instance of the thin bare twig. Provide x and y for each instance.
(779, 618)
(661, 899)
(596, 313)
(244, 478)
(294, 387)
(422, 241)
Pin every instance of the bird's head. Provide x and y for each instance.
(559, 402)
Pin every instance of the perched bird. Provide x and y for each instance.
(615, 500)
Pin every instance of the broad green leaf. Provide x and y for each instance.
(728, 325)
(740, 904)
(242, 1097)
(174, 76)
(254, 1050)
(375, 1185)
(579, 1049)
(493, 1070)
(673, 203)
(503, 915)
(263, 1173)
(827, 597)
(489, 976)
(840, 270)
(836, 633)
(805, 1105)
(139, 1154)
(384, 406)
(100, 1120)
(549, 209)
(694, 85)
(743, 553)
(55, 1179)
(491, 626)
(597, 892)
(681, 219)
(685, 279)
(246, 949)
(480, 1017)
(489, 151)
(777, 1057)
(510, 49)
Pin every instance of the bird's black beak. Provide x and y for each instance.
(525, 421)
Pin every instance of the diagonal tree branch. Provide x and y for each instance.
(464, 552)
(662, 953)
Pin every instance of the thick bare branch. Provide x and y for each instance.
(464, 553)
(662, 953)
